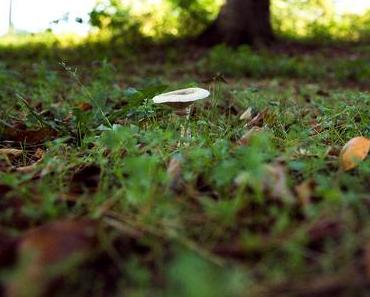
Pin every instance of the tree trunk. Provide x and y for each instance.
(240, 21)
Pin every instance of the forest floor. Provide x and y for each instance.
(102, 195)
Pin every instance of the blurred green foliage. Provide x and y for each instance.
(170, 18)
(114, 17)
(317, 19)
(194, 15)
(143, 18)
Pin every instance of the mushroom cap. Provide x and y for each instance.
(181, 96)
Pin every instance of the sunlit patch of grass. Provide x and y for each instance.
(44, 39)
(246, 62)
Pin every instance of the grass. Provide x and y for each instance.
(218, 215)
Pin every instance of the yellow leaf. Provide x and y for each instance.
(353, 152)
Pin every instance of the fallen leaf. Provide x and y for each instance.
(85, 106)
(8, 157)
(46, 250)
(246, 115)
(29, 136)
(353, 152)
(10, 152)
(38, 156)
(58, 240)
(20, 160)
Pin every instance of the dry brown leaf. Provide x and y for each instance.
(46, 247)
(20, 160)
(7, 157)
(85, 106)
(29, 136)
(50, 240)
(353, 152)
(10, 152)
(38, 155)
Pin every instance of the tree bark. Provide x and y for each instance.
(240, 21)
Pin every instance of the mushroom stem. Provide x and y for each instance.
(183, 112)
(184, 116)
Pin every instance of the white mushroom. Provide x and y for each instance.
(183, 95)
(180, 100)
